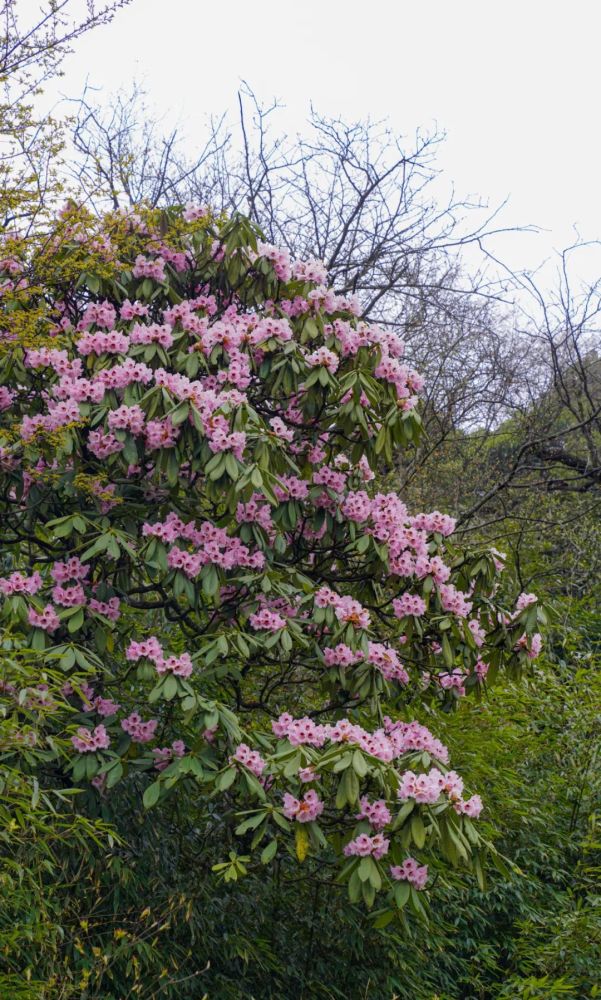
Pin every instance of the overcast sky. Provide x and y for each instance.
(515, 85)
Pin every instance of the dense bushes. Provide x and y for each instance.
(225, 644)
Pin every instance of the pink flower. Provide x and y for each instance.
(46, 619)
(164, 755)
(278, 257)
(140, 732)
(150, 649)
(363, 846)
(386, 660)
(102, 445)
(524, 601)
(16, 583)
(412, 872)
(341, 655)
(425, 788)
(161, 434)
(250, 758)
(409, 604)
(323, 357)
(129, 418)
(377, 812)
(307, 774)
(106, 707)
(472, 808)
(72, 569)
(304, 810)
(267, 620)
(532, 644)
(146, 268)
(180, 666)
(194, 212)
(69, 597)
(110, 608)
(90, 740)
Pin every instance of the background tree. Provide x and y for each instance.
(31, 52)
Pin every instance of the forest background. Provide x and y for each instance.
(511, 412)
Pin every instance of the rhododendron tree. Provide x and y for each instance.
(197, 441)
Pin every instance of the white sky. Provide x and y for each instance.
(514, 84)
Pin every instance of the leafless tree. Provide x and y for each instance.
(30, 53)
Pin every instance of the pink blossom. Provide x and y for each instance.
(152, 334)
(180, 666)
(102, 445)
(113, 342)
(46, 619)
(303, 810)
(17, 583)
(129, 310)
(412, 872)
(409, 604)
(90, 740)
(363, 846)
(386, 660)
(129, 418)
(72, 569)
(323, 357)
(307, 774)
(342, 656)
(105, 706)
(194, 212)
(472, 808)
(165, 755)
(250, 758)
(425, 788)
(110, 608)
(140, 732)
(161, 434)
(69, 597)
(267, 620)
(377, 812)
(279, 258)
(146, 268)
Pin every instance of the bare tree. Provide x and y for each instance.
(30, 53)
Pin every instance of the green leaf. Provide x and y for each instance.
(169, 687)
(268, 853)
(76, 621)
(383, 919)
(226, 778)
(418, 830)
(359, 764)
(114, 774)
(401, 893)
(152, 795)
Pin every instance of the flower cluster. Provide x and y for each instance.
(140, 732)
(377, 812)
(303, 810)
(151, 649)
(411, 871)
(163, 756)
(387, 743)
(250, 758)
(363, 846)
(91, 740)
